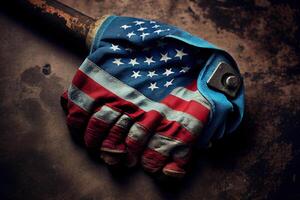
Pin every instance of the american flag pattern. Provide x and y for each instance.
(137, 92)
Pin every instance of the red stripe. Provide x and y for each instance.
(176, 132)
(191, 107)
(151, 119)
(77, 117)
(95, 132)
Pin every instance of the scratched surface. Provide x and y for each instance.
(38, 159)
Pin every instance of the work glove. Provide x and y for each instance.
(152, 91)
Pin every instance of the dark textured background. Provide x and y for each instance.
(38, 160)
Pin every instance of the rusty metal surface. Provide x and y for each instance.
(38, 160)
(76, 22)
(54, 15)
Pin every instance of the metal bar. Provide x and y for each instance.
(55, 19)
(59, 15)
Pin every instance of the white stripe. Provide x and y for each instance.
(192, 124)
(107, 115)
(164, 145)
(189, 95)
(138, 133)
(80, 98)
(124, 122)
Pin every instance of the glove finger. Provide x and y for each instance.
(98, 126)
(169, 136)
(113, 147)
(176, 168)
(139, 135)
(114, 142)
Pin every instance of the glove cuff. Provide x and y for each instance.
(227, 111)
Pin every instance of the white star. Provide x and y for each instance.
(138, 22)
(130, 34)
(149, 60)
(144, 35)
(180, 53)
(136, 74)
(142, 29)
(155, 26)
(115, 47)
(164, 57)
(125, 27)
(158, 31)
(184, 69)
(168, 83)
(152, 22)
(151, 73)
(152, 86)
(117, 61)
(168, 72)
(133, 62)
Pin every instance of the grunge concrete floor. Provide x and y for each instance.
(38, 159)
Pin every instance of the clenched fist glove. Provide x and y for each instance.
(152, 91)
